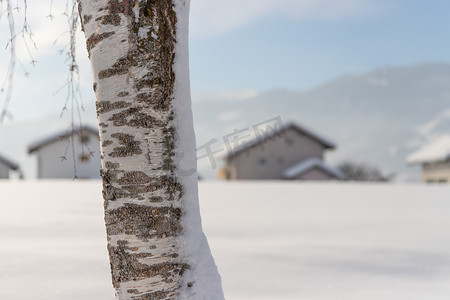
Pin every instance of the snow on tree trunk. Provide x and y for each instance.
(139, 55)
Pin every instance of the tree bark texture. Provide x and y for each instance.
(156, 246)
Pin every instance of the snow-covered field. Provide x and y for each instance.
(271, 240)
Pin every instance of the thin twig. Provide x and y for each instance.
(12, 63)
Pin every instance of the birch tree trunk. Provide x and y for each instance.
(139, 55)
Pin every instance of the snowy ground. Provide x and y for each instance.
(271, 241)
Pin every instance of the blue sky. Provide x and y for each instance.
(297, 52)
(242, 46)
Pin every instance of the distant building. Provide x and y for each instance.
(6, 166)
(435, 160)
(289, 152)
(55, 158)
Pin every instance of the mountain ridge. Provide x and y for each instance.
(375, 117)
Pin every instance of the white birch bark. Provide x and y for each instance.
(138, 50)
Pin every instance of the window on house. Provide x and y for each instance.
(289, 142)
(442, 180)
(262, 161)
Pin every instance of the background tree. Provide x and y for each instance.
(352, 171)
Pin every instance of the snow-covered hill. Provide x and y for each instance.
(277, 240)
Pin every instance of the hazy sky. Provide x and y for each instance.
(245, 46)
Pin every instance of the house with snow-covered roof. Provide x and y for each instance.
(289, 152)
(6, 166)
(65, 154)
(435, 160)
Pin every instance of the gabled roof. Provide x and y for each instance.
(327, 144)
(59, 136)
(308, 164)
(9, 163)
(438, 150)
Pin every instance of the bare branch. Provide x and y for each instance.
(9, 80)
(73, 98)
(27, 36)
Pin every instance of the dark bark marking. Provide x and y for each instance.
(169, 145)
(133, 291)
(87, 18)
(80, 10)
(112, 19)
(94, 39)
(107, 143)
(143, 221)
(155, 296)
(118, 68)
(122, 94)
(130, 146)
(111, 165)
(116, 8)
(135, 177)
(120, 7)
(160, 18)
(135, 117)
(107, 106)
(110, 193)
(174, 189)
(155, 199)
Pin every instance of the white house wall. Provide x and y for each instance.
(277, 154)
(436, 172)
(51, 164)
